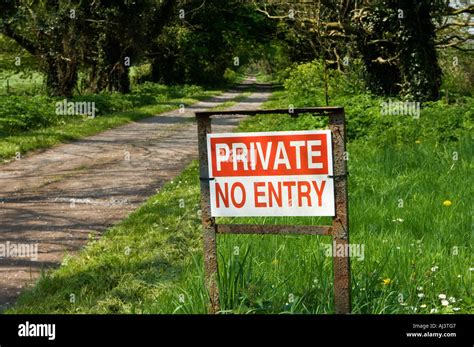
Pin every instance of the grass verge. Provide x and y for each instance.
(75, 127)
(410, 210)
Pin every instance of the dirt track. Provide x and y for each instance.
(57, 197)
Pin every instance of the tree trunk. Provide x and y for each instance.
(404, 64)
(61, 77)
(119, 80)
(420, 71)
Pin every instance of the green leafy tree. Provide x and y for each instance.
(120, 33)
(50, 31)
(104, 36)
(396, 39)
(205, 38)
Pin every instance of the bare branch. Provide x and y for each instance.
(21, 40)
(455, 24)
(266, 13)
(449, 39)
(451, 11)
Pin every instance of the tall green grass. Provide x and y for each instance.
(410, 207)
(413, 252)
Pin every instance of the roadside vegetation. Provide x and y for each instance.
(31, 122)
(403, 71)
(409, 208)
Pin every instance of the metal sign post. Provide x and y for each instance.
(339, 230)
(340, 222)
(208, 222)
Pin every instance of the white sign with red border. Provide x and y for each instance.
(285, 173)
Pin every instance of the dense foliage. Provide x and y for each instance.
(437, 121)
(193, 41)
(22, 113)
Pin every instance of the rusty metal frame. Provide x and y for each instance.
(339, 230)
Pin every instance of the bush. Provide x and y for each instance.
(23, 113)
(458, 73)
(105, 103)
(306, 84)
(19, 113)
(438, 121)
